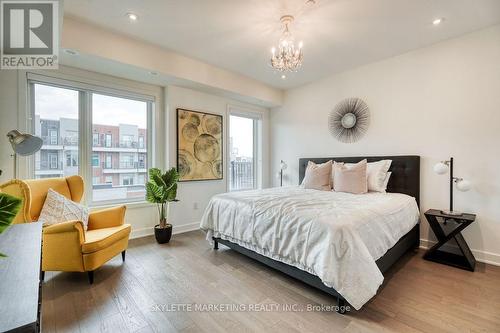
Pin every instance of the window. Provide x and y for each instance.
(109, 137)
(116, 169)
(124, 118)
(53, 163)
(126, 161)
(72, 158)
(55, 111)
(142, 161)
(95, 139)
(53, 137)
(244, 147)
(127, 141)
(71, 137)
(243, 132)
(95, 160)
(109, 161)
(128, 180)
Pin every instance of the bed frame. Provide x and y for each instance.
(405, 179)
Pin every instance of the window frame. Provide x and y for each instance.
(85, 130)
(110, 164)
(51, 131)
(106, 136)
(49, 156)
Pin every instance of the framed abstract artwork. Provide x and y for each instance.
(199, 145)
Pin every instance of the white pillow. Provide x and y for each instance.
(377, 173)
(386, 181)
(57, 209)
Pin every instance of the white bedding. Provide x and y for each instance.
(336, 236)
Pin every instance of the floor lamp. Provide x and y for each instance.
(23, 144)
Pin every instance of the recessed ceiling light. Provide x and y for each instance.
(71, 52)
(132, 16)
(283, 76)
(438, 21)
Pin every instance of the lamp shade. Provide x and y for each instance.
(283, 165)
(441, 168)
(24, 144)
(463, 185)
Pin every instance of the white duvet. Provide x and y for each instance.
(336, 236)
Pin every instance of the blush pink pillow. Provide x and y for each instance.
(351, 179)
(318, 176)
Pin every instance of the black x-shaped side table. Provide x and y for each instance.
(445, 228)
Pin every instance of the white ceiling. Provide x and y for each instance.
(338, 34)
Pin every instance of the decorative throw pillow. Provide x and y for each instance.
(318, 176)
(57, 209)
(376, 173)
(351, 179)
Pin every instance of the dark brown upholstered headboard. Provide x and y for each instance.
(405, 176)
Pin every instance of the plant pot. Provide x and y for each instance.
(163, 235)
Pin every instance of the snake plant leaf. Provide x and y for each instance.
(9, 207)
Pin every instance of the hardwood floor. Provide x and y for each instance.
(417, 296)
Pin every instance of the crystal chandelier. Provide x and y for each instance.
(287, 57)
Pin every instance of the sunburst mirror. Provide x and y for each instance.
(349, 120)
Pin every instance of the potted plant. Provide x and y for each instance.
(161, 189)
(9, 207)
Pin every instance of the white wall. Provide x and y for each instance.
(8, 119)
(435, 102)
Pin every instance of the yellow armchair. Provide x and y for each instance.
(67, 246)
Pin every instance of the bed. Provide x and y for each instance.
(338, 242)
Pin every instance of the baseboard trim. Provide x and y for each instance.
(148, 231)
(141, 232)
(481, 256)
